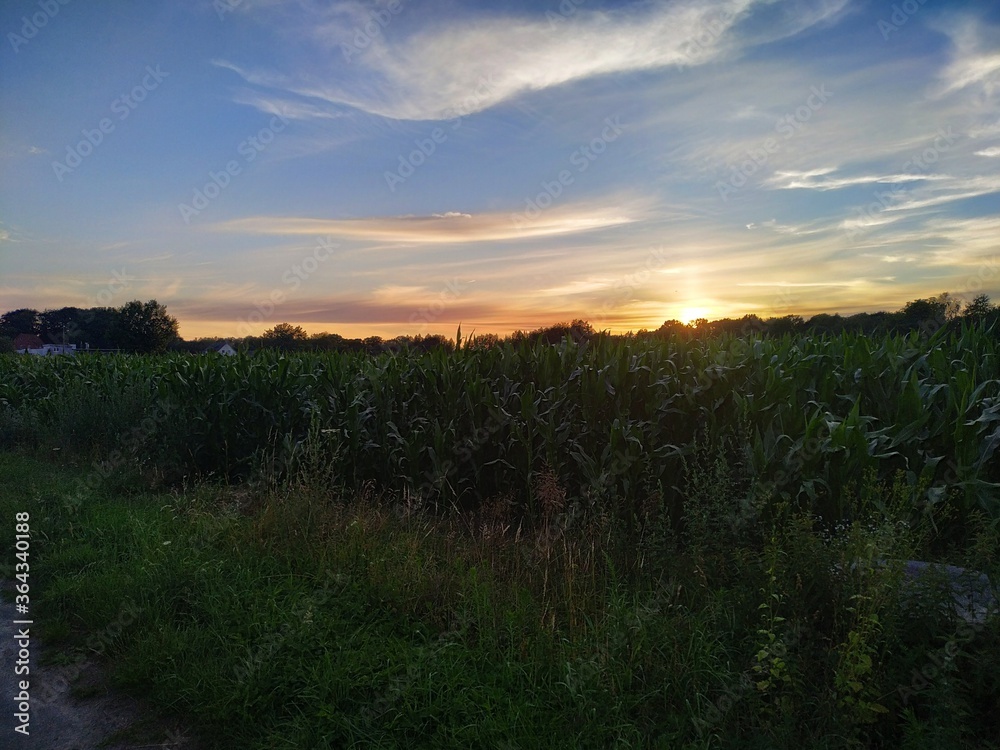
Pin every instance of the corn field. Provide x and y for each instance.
(618, 420)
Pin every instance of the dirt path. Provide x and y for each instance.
(72, 707)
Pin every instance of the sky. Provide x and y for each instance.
(403, 167)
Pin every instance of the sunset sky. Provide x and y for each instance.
(403, 167)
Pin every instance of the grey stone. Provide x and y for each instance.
(973, 596)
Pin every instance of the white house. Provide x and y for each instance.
(223, 347)
(48, 349)
(28, 343)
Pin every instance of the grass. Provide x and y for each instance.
(296, 615)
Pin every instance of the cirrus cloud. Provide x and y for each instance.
(455, 67)
(444, 228)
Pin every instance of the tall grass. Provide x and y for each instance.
(299, 616)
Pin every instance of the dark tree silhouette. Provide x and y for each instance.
(979, 308)
(24, 320)
(145, 327)
(286, 337)
(63, 324)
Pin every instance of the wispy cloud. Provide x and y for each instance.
(788, 229)
(953, 190)
(964, 243)
(893, 258)
(974, 61)
(867, 222)
(822, 179)
(287, 107)
(456, 66)
(808, 284)
(396, 315)
(153, 259)
(907, 193)
(448, 227)
(985, 130)
(17, 151)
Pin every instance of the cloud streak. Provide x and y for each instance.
(456, 67)
(821, 179)
(972, 63)
(445, 228)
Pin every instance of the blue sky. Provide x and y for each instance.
(403, 167)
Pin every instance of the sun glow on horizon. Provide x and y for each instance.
(689, 315)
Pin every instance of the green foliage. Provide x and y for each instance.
(979, 308)
(616, 420)
(134, 327)
(298, 615)
(145, 327)
(662, 543)
(24, 320)
(285, 337)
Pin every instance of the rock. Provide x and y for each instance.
(972, 595)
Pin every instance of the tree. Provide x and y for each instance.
(785, 324)
(736, 326)
(484, 341)
(826, 323)
(432, 341)
(286, 337)
(145, 327)
(374, 344)
(869, 323)
(923, 314)
(951, 307)
(578, 330)
(672, 327)
(62, 325)
(98, 326)
(750, 324)
(24, 320)
(979, 308)
(327, 342)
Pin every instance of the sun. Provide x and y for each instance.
(691, 314)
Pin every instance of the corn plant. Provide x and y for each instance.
(614, 418)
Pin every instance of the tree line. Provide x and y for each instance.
(146, 327)
(926, 315)
(292, 338)
(139, 327)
